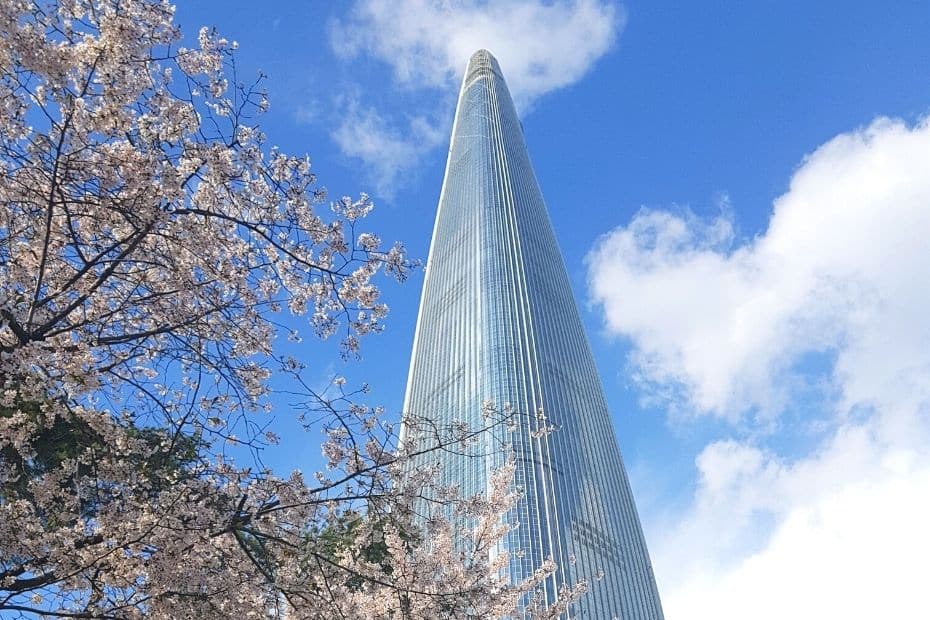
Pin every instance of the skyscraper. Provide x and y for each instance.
(498, 322)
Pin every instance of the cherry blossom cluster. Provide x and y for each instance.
(149, 236)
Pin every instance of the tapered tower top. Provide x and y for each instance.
(482, 54)
(482, 62)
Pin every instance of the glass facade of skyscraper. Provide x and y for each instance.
(498, 322)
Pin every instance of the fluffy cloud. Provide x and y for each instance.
(839, 270)
(835, 289)
(848, 534)
(388, 150)
(541, 45)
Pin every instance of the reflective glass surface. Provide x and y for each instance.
(498, 322)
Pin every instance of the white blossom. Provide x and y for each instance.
(147, 237)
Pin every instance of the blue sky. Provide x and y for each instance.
(741, 191)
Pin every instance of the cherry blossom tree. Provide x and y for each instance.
(150, 244)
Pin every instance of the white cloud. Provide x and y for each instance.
(839, 269)
(388, 150)
(724, 328)
(542, 45)
(839, 533)
(856, 548)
